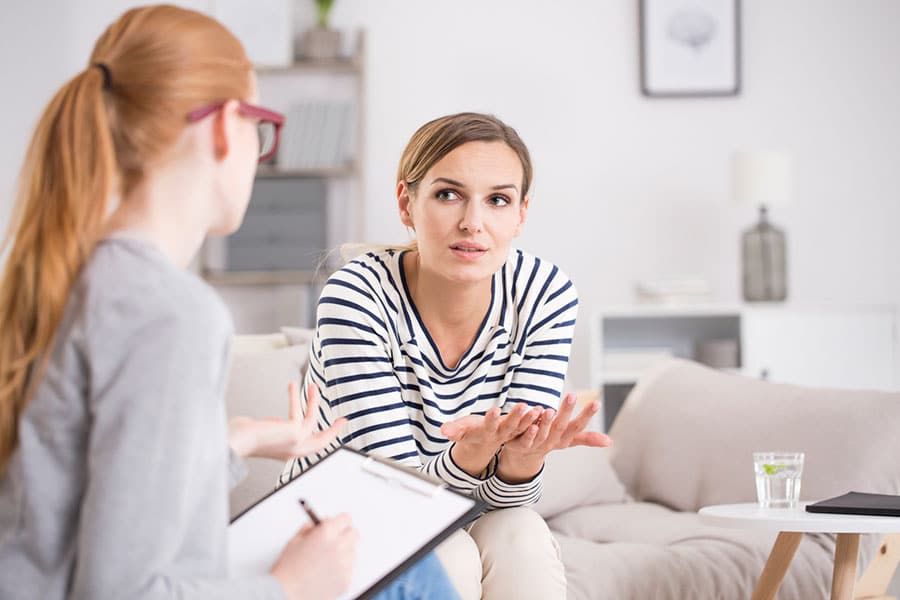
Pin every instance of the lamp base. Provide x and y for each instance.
(764, 259)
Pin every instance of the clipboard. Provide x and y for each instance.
(400, 514)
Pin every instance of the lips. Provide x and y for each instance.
(468, 250)
(468, 247)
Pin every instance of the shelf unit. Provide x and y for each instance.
(253, 278)
(302, 214)
(821, 346)
(273, 172)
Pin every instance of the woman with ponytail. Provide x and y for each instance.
(449, 355)
(115, 455)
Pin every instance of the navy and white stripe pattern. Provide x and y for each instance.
(375, 364)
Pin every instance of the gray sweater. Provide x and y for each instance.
(119, 485)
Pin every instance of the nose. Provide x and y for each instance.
(472, 218)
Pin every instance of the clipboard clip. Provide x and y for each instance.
(402, 477)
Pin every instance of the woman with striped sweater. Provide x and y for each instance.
(450, 354)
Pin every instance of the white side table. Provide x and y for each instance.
(792, 524)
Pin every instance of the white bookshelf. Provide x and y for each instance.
(854, 347)
(263, 286)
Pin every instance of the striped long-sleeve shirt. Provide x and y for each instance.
(375, 364)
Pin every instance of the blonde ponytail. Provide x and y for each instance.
(65, 183)
(147, 71)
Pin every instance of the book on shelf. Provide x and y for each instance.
(318, 135)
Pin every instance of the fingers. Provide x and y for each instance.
(518, 420)
(312, 402)
(295, 407)
(565, 411)
(548, 418)
(455, 430)
(320, 439)
(591, 438)
(492, 420)
(529, 435)
(576, 426)
(580, 422)
(304, 530)
(339, 523)
(561, 421)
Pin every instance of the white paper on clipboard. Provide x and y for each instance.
(399, 516)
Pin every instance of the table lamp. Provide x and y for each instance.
(764, 180)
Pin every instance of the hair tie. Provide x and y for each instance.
(107, 74)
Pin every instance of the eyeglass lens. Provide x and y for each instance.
(266, 132)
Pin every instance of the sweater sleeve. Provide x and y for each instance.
(351, 363)
(153, 517)
(538, 381)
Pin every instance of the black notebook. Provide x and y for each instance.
(857, 503)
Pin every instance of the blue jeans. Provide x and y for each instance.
(424, 580)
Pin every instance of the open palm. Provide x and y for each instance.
(284, 439)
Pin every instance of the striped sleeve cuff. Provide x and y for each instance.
(443, 467)
(499, 494)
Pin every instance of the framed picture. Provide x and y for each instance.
(690, 47)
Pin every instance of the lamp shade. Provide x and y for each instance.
(761, 178)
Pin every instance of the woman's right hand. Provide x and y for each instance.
(477, 439)
(317, 563)
(284, 439)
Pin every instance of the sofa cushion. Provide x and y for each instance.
(298, 336)
(257, 387)
(578, 476)
(642, 550)
(686, 434)
(700, 568)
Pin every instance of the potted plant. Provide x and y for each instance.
(321, 41)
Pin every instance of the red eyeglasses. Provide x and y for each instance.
(268, 125)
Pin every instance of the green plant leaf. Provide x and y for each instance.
(323, 9)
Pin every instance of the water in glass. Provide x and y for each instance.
(778, 478)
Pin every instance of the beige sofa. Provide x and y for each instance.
(626, 518)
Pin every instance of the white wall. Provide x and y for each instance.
(626, 187)
(629, 187)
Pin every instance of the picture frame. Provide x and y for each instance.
(690, 48)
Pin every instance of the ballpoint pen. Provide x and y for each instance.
(309, 512)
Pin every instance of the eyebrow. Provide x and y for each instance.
(502, 186)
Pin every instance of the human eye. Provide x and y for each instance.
(447, 195)
(499, 200)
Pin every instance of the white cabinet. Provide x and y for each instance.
(838, 347)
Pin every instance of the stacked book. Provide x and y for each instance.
(673, 290)
(318, 135)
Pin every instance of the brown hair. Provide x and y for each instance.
(125, 111)
(438, 138)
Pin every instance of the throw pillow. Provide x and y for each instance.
(578, 476)
(298, 336)
(257, 387)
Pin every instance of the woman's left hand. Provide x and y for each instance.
(283, 439)
(523, 457)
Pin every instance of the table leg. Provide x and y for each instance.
(846, 553)
(777, 565)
